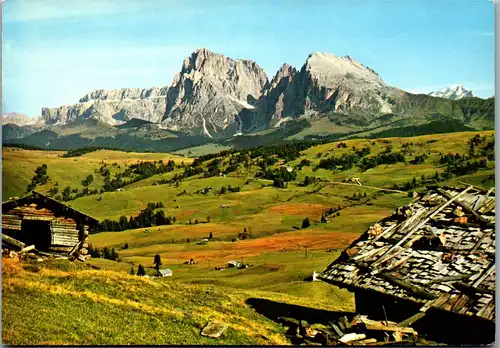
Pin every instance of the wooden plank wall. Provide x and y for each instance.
(65, 232)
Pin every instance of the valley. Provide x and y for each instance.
(249, 205)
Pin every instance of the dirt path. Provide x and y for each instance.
(372, 187)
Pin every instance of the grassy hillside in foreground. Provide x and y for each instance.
(60, 303)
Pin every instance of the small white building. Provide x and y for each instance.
(165, 272)
(233, 263)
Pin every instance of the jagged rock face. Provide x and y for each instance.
(113, 106)
(279, 100)
(325, 83)
(125, 94)
(219, 97)
(210, 92)
(340, 84)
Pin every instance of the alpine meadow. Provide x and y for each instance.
(159, 193)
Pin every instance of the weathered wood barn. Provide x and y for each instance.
(47, 224)
(431, 264)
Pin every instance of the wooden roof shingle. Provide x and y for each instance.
(426, 252)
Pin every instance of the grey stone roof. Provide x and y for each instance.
(426, 252)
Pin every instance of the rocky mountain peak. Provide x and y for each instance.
(453, 92)
(327, 66)
(210, 91)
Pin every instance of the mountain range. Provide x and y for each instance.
(454, 92)
(214, 98)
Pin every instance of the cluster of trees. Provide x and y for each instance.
(464, 168)
(288, 152)
(243, 235)
(67, 193)
(383, 158)
(414, 183)
(451, 159)
(135, 172)
(266, 161)
(54, 190)
(356, 196)
(147, 169)
(141, 271)
(202, 191)
(87, 149)
(458, 164)
(40, 178)
(214, 168)
(280, 176)
(304, 163)
(344, 162)
(26, 147)
(146, 218)
(268, 155)
(309, 180)
(419, 159)
(223, 190)
(106, 253)
(330, 212)
(88, 180)
(229, 188)
(489, 150)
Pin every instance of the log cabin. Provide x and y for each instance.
(49, 225)
(430, 265)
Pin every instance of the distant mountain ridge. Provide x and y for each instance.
(454, 92)
(19, 119)
(113, 107)
(218, 99)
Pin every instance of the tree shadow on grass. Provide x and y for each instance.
(273, 310)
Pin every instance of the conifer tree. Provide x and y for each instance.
(157, 262)
(141, 271)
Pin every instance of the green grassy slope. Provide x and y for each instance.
(50, 306)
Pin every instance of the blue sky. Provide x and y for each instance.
(55, 51)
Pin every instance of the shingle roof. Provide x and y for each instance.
(49, 202)
(426, 252)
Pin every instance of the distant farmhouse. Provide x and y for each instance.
(47, 224)
(431, 263)
(165, 273)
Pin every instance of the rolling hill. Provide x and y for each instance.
(250, 204)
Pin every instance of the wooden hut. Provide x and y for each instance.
(432, 263)
(47, 224)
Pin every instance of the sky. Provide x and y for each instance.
(56, 51)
